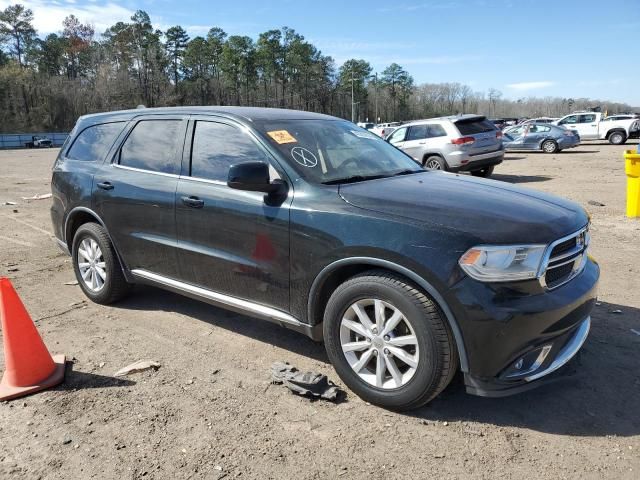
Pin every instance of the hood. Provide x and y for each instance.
(492, 211)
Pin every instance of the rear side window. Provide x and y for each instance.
(473, 127)
(152, 145)
(437, 131)
(417, 132)
(94, 142)
(217, 146)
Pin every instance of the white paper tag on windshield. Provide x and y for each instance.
(364, 134)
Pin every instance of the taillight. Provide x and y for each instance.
(382, 133)
(462, 140)
(498, 134)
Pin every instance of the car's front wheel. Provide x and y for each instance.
(549, 146)
(388, 341)
(96, 265)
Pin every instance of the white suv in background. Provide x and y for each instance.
(462, 143)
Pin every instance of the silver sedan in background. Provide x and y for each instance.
(540, 136)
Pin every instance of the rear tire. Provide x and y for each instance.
(549, 146)
(617, 138)
(485, 172)
(434, 162)
(97, 266)
(420, 337)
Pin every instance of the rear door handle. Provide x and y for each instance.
(105, 185)
(193, 202)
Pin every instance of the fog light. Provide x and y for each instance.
(528, 363)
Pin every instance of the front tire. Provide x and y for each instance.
(388, 341)
(617, 138)
(96, 265)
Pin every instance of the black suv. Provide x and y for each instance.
(316, 224)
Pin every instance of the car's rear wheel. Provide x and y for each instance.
(485, 172)
(549, 146)
(388, 341)
(617, 138)
(434, 162)
(96, 265)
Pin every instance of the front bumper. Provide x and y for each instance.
(561, 350)
(517, 335)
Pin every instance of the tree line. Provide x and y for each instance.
(46, 83)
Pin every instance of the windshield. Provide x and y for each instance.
(335, 151)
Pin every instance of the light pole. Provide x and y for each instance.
(353, 105)
(375, 90)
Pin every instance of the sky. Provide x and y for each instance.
(579, 48)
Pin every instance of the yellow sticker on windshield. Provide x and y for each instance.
(282, 136)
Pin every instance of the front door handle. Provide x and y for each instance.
(105, 185)
(193, 202)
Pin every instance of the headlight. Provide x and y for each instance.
(492, 263)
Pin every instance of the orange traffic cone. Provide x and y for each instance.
(29, 366)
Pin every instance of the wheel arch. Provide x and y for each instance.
(79, 216)
(616, 130)
(339, 271)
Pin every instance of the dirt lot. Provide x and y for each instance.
(210, 412)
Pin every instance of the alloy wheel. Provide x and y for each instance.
(434, 165)
(549, 147)
(379, 343)
(91, 265)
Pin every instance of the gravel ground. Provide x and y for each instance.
(210, 411)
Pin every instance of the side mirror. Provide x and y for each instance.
(253, 177)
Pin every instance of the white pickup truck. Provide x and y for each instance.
(592, 126)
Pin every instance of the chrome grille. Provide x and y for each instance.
(565, 259)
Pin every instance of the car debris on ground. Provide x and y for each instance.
(42, 196)
(136, 367)
(307, 384)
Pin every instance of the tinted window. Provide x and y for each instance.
(437, 131)
(417, 132)
(473, 127)
(152, 145)
(93, 143)
(587, 118)
(217, 146)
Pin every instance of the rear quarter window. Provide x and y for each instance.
(475, 126)
(94, 142)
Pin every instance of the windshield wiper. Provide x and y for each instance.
(353, 179)
(406, 172)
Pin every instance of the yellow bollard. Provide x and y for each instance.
(632, 169)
